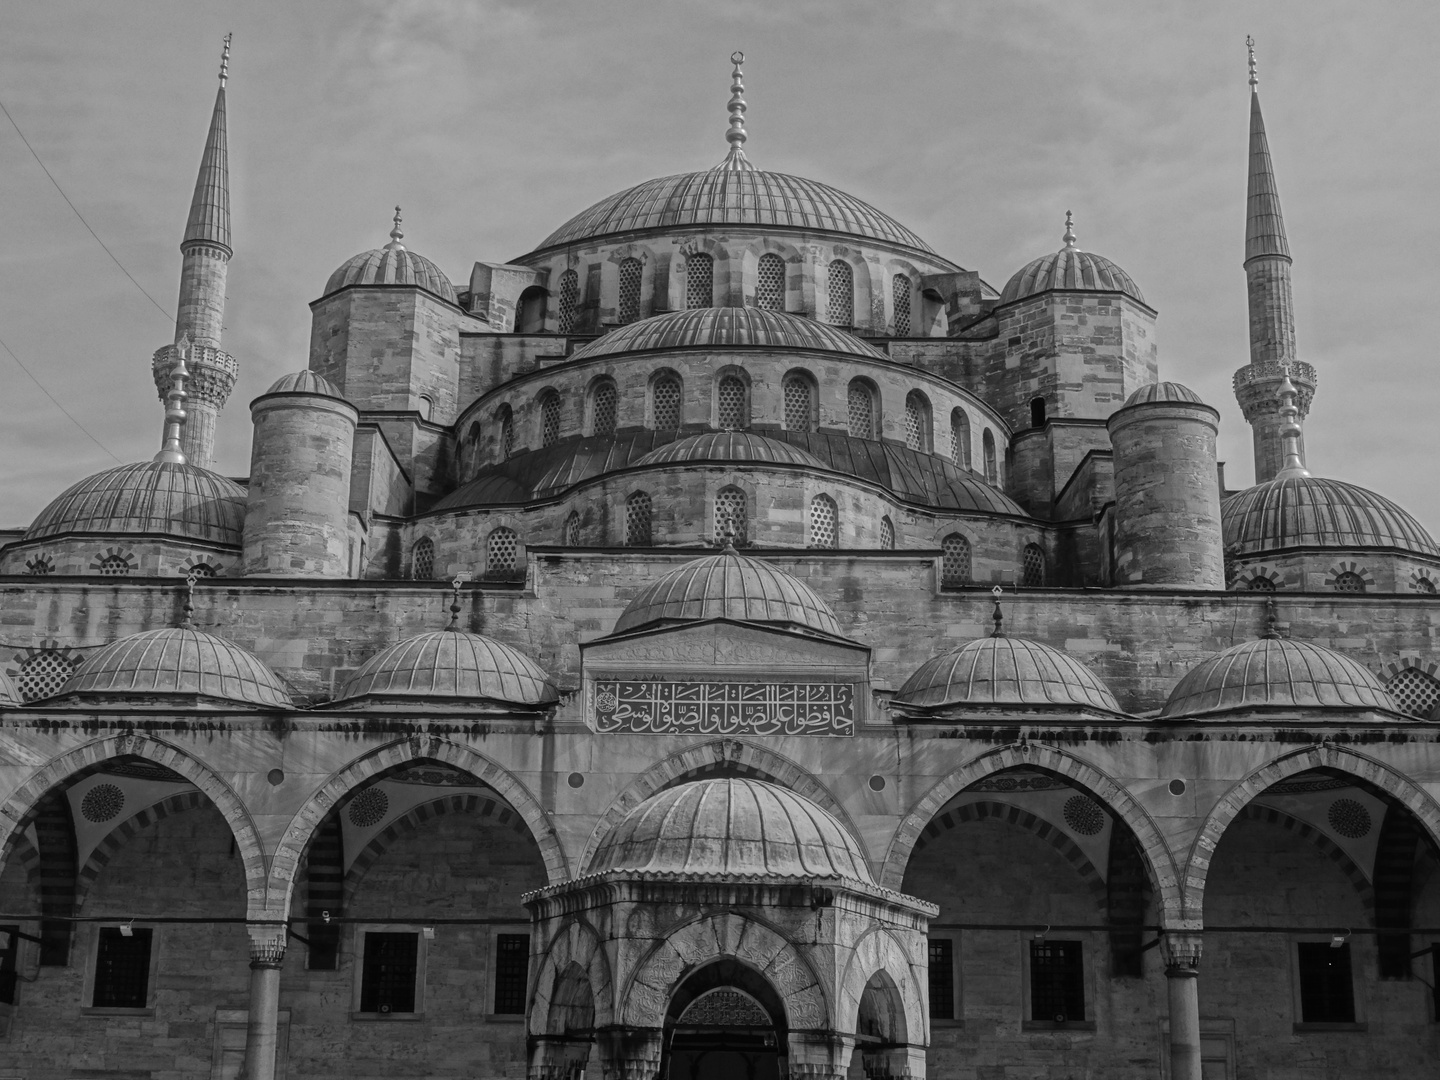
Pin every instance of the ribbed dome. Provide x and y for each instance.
(1006, 671)
(8, 694)
(1163, 391)
(726, 327)
(729, 586)
(392, 266)
(1276, 673)
(730, 446)
(1070, 269)
(724, 196)
(179, 661)
(149, 497)
(1310, 511)
(448, 665)
(731, 827)
(305, 382)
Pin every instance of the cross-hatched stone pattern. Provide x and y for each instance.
(797, 404)
(572, 530)
(637, 520)
(42, 674)
(699, 281)
(725, 1008)
(955, 560)
(423, 561)
(666, 403)
(840, 304)
(730, 406)
(914, 424)
(114, 566)
(1349, 818)
(1032, 567)
(730, 513)
(550, 420)
(102, 802)
(569, 296)
(605, 403)
(862, 412)
(887, 534)
(630, 272)
(1349, 581)
(770, 283)
(824, 528)
(500, 551)
(1415, 691)
(959, 439)
(901, 291)
(369, 807)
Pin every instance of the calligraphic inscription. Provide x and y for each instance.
(662, 707)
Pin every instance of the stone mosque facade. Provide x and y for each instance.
(731, 640)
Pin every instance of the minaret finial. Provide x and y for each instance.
(997, 616)
(1250, 45)
(225, 60)
(175, 414)
(735, 134)
(1294, 466)
(1069, 237)
(396, 235)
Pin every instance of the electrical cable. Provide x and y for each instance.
(20, 363)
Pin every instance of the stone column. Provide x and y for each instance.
(1182, 970)
(267, 955)
(630, 1053)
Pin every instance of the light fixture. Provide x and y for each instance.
(1337, 940)
(325, 917)
(1041, 935)
(429, 932)
(127, 929)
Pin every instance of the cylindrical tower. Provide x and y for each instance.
(297, 512)
(1167, 493)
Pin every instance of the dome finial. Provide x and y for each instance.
(225, 60)
(1271, 628)
(1290, 430)
(189, 607)
(460, 579)
(997, 615)
(735, 135)
(395, 234)
(1069, 237)
(175, 414)
(1250, 45)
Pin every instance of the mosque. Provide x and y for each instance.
(730, 640)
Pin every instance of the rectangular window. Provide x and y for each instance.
(512, 972)
(1327, 995)
(9, 954)
(387, 982)
(1057, 981)
(942, 979)
(122, 969)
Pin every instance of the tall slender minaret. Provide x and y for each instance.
(1272, 309)
(201, 308)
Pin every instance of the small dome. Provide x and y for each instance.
(179, 661)
(305, 382)
(449, 665)
(734, 827)
(726, 327)
(730, 446)
(8, 694)
(1163, 391)
(1276, 673)
(1310, 511)
(392, 264)
(1069, 269)
(1006, 671)
(162, 497)
(729, 586)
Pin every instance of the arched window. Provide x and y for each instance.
(861, 403)
(40, 565)
(887, 534)
(1349, 581)
(731, 413)
(1415, 691)
(502, 549)
(730, 516)
(569, 300)
(530, 310)
(1032, 567)
(550, 419)
(603, 402)
(840, 303)
(959, 438)
(824, 523)
(917, 421)
(699, 281)
(42, 674)
(900, 293)
(799, 396)
(665, 402)
(422, 559)
(954, 560)
(1260, 583)
(507, 433)
(572, 530)
(992, 473)
(425, 405)
(637, 520)
(1424, 585)
(114, 565)
(628, 309)
(201, 570)
(770, 282)
(1037, 412)
(470, 455)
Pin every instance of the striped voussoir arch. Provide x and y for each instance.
(123, 833)
(1333, 851)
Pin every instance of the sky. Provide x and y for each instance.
(975, 124)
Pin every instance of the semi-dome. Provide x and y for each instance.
(730, 446)
(731, 827)
(1069, 269)
(1162, 392)
(450, 666)
(729, 586)
(728, 196)
(179, 661)
(1310, 511)
(1006, 671)
(151, 497)
(392, 264)
(1274, 672)
(723, 327)
(305, 382)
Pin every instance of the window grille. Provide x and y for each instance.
(202, 570)
(942, 979)
(824, 523)
(507, 434)
(862, 411)
(916, 425)
(960, 438)
(1349, 581)
(550, 420)
(665, 402)
(1414, 691)
(1057, 981)
(42, 674)
(605, 409)
(629, 306)
(42, 565)
(114, 566)
(1260, 583)
(122, 969)
(422, 562)
(512, 973)
(387, 977)
(770, 283)
(501, 550)
(699, 281)
(954, 560)
(887, 534)
(569, 297)
(798, 405)
(900, 290)
(730, 403)
(572, 530)
(1422, 584)
(1032, 567)
(992, 472)
(730, 515)
(637, 520)
(1327, 993)
(840, 307)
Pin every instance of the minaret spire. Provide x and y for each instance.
(735, 134)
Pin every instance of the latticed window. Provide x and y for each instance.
(507, 433)
(730, 514)
(699, 281)
(422, 560)
(501, 551)
(665, 402)
(202, 570)
(41, 564)
(917, 422)
(992, 472)
(942, 979)
(955, 560)
(770, 283)
(730, 403)
(629, 306)
(960, 438)
(114, 565)
(1032, 567)
(824, 523)
(637, 520)
(799, 403)
(861, 404)
(1422, 584)
(1260, 583)
(550, 420)
(887, 534)
(512, 971)
(572, 530)
(1415, 691)
(569, 300)
(840, 305)
(900, 290)
(1057, 981)
(42, 674)
(1349, 581)
(604, 405)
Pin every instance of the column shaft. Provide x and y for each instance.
(1182, 984)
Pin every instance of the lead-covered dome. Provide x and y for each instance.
(724, 327)
(730, 446)
(151, 497)
(1274, 673)
(392, 264)
(1006, 671)
(1152, 393)
(729, 586)
(305, 382)
(449, 666)
(735, 828)
(178, 662)
(1069, 269)
(1310, 511)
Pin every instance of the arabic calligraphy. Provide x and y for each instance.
(660, 707)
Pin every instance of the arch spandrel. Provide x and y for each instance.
(881, 951)
(574, 943)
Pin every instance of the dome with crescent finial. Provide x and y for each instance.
(1300, 511)
(392, 264)
(1071, 270)
(448, 666)
(1163, 392)
(1006, 671)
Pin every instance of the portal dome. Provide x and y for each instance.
(450, 666)
(729, 586)
(305, 382)
(1309, 511)
(1152, 393)
(1006, 671)
(1069, 269)
(182, 662)
(731, 827)
(392, 264)
(730, 446)
(724, 327)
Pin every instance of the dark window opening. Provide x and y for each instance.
(387, 981)
(1327, 995)
(512, 972)
(1057, 981)
(942, 979)
(9, 954)
(1037, 412)
(122, 969)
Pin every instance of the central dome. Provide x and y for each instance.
(731, 827)
(1310, 511)
(726, 327)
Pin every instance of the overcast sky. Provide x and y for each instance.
(975, 124)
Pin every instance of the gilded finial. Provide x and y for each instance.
(225, 60)
(460, 579)
(175, 414)
(395, 234)
(997, 616)
(1290, 431)
(735, 134)
(1069, 237)
(1250, 45)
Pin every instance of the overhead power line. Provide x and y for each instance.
(57, 404)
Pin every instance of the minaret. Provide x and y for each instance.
(201, 308)
(1272, 309)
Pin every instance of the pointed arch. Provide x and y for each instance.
(576, 943)
(119, 836)
(882, 952)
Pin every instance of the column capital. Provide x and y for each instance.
(1181, 949)
(267, 944)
